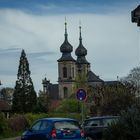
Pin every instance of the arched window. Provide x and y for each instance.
(64, 72)
(65, 92)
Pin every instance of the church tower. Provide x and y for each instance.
(66, 68)
(82, 65)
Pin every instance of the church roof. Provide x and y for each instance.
(81, 51)
(112, 83)
(82, 60)
(66, 48)
(92, 77)
(66, 57)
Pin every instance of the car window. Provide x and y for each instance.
(44, 125)
(66, 125)
(36, 126)
(108, 121)
(95, 122)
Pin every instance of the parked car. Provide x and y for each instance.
(54, 129)
(95, 126)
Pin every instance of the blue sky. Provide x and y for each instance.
(66, 6)
(37, 26)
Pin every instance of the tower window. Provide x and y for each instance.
(65, 92)
(64, 72)
(73, 72)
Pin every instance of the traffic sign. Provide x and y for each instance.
(81, 94)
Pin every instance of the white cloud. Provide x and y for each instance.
(111, 41)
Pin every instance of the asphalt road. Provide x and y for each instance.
(16, 138)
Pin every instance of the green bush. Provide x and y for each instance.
(69, 106)
(33, 117)
(3, 124)
(15, 125)
(126, 128)
(17, 122)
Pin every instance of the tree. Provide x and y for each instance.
(6, 94)
(43, 102)
(112, 99)
(116, 99)
(24, 97)
(134, 79)
(69, 106)
(127, 126)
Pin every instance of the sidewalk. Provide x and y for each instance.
(16, 138)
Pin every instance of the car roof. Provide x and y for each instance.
(102, 117)
(58, 119)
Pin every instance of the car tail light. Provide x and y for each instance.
(82, 132)
(53, 134)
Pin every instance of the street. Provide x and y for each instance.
(16, 138)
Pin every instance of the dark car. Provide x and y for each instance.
(95, 126)
(54, 129)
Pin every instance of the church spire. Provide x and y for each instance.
(66, 48)
(66, 34)
(80, 37)
(81, 51)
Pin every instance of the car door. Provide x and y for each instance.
(34, 131)
(45, 130)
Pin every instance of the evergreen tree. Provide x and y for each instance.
(24, 97)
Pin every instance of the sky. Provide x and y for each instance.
(37, 26)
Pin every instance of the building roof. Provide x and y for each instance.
(112, 83)
(92, 77)
(4, 106)
(53, 91)
(66, 57)
(81, 60)
(66, 48)
(81, 51)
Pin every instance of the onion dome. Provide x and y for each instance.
(81, 51)
(66, 48)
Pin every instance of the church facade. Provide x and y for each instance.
(69, 68)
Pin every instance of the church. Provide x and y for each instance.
(69, 68)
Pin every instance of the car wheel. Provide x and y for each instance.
(88, 138)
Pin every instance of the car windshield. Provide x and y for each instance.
(66, 125)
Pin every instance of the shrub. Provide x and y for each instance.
(17, 122)
(33, 117)
(126, 128)
(69, 106)
(3, 124)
